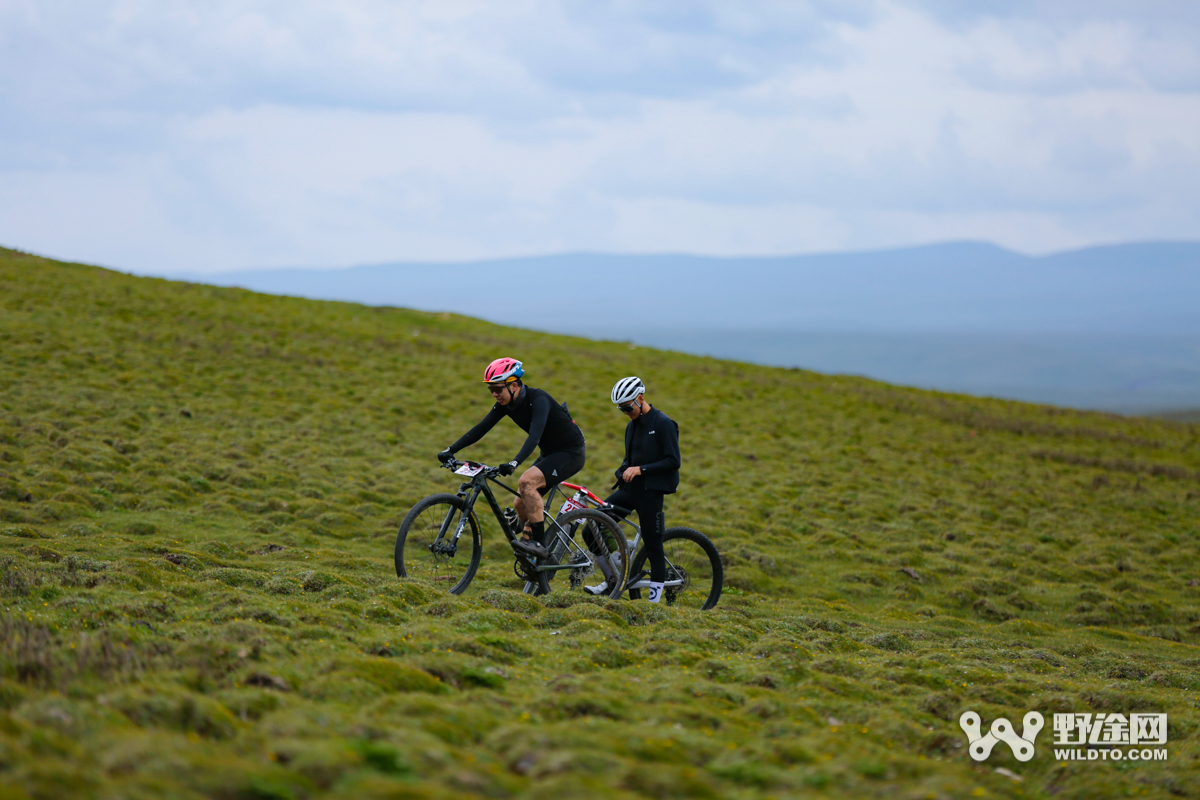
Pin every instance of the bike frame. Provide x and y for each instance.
(589, 498)
(470, 491)
(476, 486)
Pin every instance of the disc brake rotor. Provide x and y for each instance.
(672, 592)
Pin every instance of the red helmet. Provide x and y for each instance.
(503, 369)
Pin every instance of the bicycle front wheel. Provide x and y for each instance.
(581, 538)
(693, 560)
(439, 542)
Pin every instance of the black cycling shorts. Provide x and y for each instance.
(557, 467)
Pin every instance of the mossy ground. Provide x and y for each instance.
(199, 492)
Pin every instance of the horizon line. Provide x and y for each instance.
(603, 254)
(705, 256)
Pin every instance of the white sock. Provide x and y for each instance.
(656, 590)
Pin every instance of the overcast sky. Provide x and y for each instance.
(174, 136)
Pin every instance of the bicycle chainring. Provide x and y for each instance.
(525, 571)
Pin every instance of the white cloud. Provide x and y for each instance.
(186, 136)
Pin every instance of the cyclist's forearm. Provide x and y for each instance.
(475, 434)
(668, 464)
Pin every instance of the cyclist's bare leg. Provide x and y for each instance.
(528, 504)
(530, 508)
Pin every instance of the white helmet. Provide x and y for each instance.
(627, 390)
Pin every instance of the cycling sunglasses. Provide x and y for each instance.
(497, 388)
(625, 409)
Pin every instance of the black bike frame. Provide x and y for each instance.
(470, 491)
(480, 486)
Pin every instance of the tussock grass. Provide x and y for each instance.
(199, 492)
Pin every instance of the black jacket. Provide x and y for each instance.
(548, 424)
(660, 448)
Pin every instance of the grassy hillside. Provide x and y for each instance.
(199, 491)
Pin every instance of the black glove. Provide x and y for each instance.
(507, 469)
(446, 455)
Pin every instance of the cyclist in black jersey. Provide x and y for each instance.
(549, 426)
(649, 472)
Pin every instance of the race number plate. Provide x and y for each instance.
(570, 504)
(469, 469)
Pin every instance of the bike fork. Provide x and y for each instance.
(448, 545)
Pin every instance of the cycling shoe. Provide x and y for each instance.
(530, 547)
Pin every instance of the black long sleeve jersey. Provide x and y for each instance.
(548, 424)
(652, 443)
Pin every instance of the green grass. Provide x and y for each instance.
(199, 492)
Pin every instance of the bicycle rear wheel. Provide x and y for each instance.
(691, 558)
(427, 550)
(581, 537)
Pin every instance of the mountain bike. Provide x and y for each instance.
(695, 574)
(439, 539)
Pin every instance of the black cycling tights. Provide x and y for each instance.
(649, 508)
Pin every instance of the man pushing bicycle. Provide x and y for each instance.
(649, 472)
(549, 426)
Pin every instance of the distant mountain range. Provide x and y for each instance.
(1114, 327)
(1132, 288)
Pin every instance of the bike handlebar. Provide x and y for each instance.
(453, 463)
